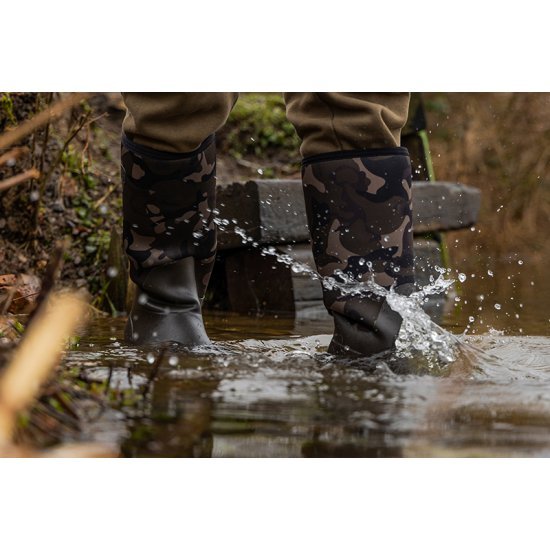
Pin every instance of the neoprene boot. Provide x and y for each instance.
(170, 239)
(359, 214)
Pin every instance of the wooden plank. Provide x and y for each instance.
(273, 211)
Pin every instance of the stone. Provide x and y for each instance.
(273, 211)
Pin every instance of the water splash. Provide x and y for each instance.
(419, 335)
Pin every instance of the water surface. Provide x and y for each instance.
(269, 389)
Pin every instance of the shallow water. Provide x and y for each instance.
(268, 389)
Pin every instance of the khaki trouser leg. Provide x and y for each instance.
(175, 122)
(343, 121)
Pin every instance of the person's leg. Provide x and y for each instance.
(357, 188)
(168, 169)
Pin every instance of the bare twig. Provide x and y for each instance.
(32, 173)
(154, 370)
(100, 201)
(12, 137)
(50, 277)
(37, 355)
(81, 450)
(86, 120)
(8, 300)
(46, 138)
(13, 154)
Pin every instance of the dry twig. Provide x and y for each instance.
(12, 137)
(51, 274)
(13, 154)
(31, 173)
(36, 356)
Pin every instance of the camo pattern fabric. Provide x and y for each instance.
(359, 214)
(168, 206)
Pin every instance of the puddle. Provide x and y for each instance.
(269, 389)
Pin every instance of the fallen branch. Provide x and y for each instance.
(14, 136)
(31, 173)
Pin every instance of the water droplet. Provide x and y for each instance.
(520, 262)
(461, 277)
(498, 306)
(150, 358)
(173, 361)
(490, 273)
(112, 272)
(471, 319)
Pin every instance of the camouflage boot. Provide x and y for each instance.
(359, 214)
(170, 239)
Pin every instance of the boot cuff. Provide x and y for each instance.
(355, 153)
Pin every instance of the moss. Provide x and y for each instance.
(7, 108)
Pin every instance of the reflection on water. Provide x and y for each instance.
(267, 388)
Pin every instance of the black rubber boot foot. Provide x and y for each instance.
(146, 327)
(167, 308)
(358, 340)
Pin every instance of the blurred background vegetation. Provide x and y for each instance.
(498, 142)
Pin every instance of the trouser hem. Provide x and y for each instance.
(143, 150)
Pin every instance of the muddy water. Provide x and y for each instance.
(268, 389)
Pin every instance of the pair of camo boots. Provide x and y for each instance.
(359, 215)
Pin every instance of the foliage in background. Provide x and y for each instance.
(258, 135)
(77, 195)
(500, 143)
(258, 126)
